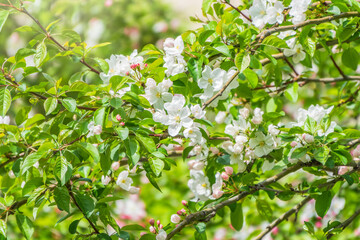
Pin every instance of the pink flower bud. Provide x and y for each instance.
(224, 176)
(146, 65)
(122, 124)
(184, 202)
(152, 222)
(217, 194)
(179, 213)
(152, 229)
(229, 170)
(158, 222)
(293, 144)
(127, 73)
(343, 170)
(356, 152)
(318, 224)
(175, 218)
(161, 226)
(115, 166)
(183, 211)
(308, 138)
(118, 117)
(275, 231)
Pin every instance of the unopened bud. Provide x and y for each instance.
(229, 170)
(118, 117)
(175, 218)
(293, 144)
(217, 194)
(184, 202)
(152, 221)
(115, 166)
(224, 176)
(122, 124)
(158, 222)
(308, 138)
(161, 226)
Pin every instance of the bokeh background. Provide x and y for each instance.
(128, 25)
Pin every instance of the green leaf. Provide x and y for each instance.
(355, 5)
(275, 42)
(206, 5)
(40, 54)
(242, 61)
(50, 105)
(146, 141)
(237, 217)
(26, 226)
(200, 233)
(186, 152)
(252, 77)
(30, 160)
(69, 104)
(264, 209)
(292, 92)
(73, 226)
(3, 229)
(148, 237)
(321, 154)
(350, 58)
(62, 198)
(23, 52)
(100, 117)
(223, 48)
(5, 101)
(3, 16)
(133, 227)
(91, 149)
(86, 203)
(204, 36)
(298, 153)
(309, 227)
(63, 170)
(132, 150)
(323, 203)
(123, 132)
(157, 165)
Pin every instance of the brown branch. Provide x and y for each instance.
(218, 94)
(205, 213)
(317, 21)
(48, 35)
(337, 67)
(238, 10)
(346, 223)
(283, 217)
(78, 206)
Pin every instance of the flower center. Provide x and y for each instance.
(204, 185)
(177, 118)
(261, 144)
(112, 70)
(158, 95)
(210, 80)
(298, 50)
(191, 131)
(123, 181)
(262, 12)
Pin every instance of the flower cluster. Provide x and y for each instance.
(264, 12)
(174, 61)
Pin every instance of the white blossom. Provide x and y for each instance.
(175, 218)
(124, 181)
(217, 186)
(174, 47)
(237, 127)
(297, 10)
(157, 94)
(274, 13)
(105, 179)
(258, 13)
(178, 115)
(257, 118)
(4, 120)
(197, 111)
(261, 144)
(273, 130)
(161, 235)
(296, 52)
(94, 129)
(174, 65)
(199, 184)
